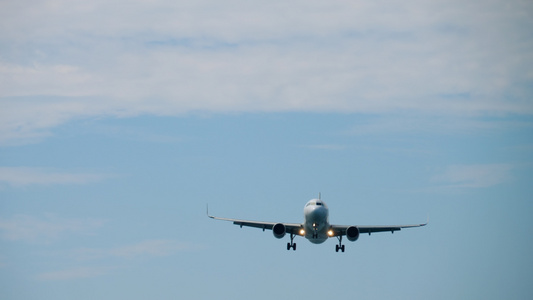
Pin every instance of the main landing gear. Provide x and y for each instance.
(291, 244)
(340, 246)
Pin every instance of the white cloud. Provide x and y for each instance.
(474, 176)
(44, 229)
(75, 273)
(74, 59)
(433, 124)
(144, 248)
(23, 176)
(325, 147)
(147, 248)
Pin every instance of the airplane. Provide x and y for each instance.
(316, 227)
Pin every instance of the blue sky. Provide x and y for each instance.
(120, 121)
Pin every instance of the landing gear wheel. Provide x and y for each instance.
(340, 246)
(291, 244)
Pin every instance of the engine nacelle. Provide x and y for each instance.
(279, 230)
(352, 233)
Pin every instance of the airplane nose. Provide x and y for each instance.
(319, 213)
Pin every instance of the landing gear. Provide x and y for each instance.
(340, 246)
(315, 231)
(291, 244)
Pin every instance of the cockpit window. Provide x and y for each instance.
(319, 203)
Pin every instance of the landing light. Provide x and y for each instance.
(302, 232)
(330, 232)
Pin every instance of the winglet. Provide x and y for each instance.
(427, 222)
(207, 210)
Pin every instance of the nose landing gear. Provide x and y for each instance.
(315, 231)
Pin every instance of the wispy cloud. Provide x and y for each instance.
(325, 146)
(433, 123)
(75, 273)
(144, 248)
(23, 176)
(173, 57)
(474, 176)
(45, 229)
(114, 256)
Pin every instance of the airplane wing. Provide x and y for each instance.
(340, 230)
(291, 228)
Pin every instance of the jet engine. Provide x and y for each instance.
(352, 233)
(279, 230)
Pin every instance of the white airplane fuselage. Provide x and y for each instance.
(316, 224)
